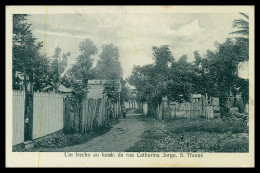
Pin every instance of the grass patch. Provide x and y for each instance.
(71, 139)
(210, 126)
(61, 140)
(195, 135)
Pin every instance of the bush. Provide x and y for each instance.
(195, 135)
(203, 142)
(63, 140)
(211, 126)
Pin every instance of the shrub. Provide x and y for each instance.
(211, 126)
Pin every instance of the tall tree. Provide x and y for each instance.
(198, 58)
(151, 80)
(78, 75)
(242, 35)
(182, 80)
(242, 26)
(109, 66)
(111, 89)
(57, 67)
(221, 70)
(26, 57)
(183, 59)
(42, 76)
(163, 58)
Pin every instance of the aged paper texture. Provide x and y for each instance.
(130, 86)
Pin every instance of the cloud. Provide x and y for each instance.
(60, 34)
(134, 34)
(189, 29)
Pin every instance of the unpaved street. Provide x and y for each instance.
(122, 136)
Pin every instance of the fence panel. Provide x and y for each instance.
(47, 114)
(68, 118)
(18, 117)
(93, 115)
(191, 109)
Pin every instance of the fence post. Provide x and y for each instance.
(159, 111)
(145, 108)
(172, 107)
(65, 116)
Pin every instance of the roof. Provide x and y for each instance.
(62, 88)
(196, 96)
(96, 82)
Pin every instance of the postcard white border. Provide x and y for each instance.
(57, 159)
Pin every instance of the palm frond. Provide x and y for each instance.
(240, 23)
(243, 32)
(245, 15)
(242, 26)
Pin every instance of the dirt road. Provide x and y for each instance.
(122, 136)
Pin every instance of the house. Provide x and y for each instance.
(95, 88)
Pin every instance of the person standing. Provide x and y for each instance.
(124, 112)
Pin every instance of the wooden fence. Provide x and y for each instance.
(130, 104)
(197, 107)
(187, 109)
(47, 115)
(18, 117)
(86, 116)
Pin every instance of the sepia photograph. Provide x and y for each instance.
(129, 82)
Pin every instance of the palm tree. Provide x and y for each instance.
(242, 25)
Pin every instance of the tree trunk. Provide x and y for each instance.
(28, 109)
(224, 106)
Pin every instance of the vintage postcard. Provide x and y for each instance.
(130, 86)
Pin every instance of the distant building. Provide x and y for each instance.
(95, 88)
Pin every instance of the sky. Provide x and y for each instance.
(135, 34)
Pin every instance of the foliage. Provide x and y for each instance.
(243, 85)
(60, 140)
(162, 56)
(111, 89)
(42, 76)
(166, 77)
(198, 58)
(150, 80)
(141, 79)
(198, 135)
(216, 74)
(212, 126)
(58, 66)
(109, 67)
(242, 25)
(182, 79)
(125, 93)
(26, 52)
(78, 75)
(70, 139)
(221, 69)
(27, 62)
